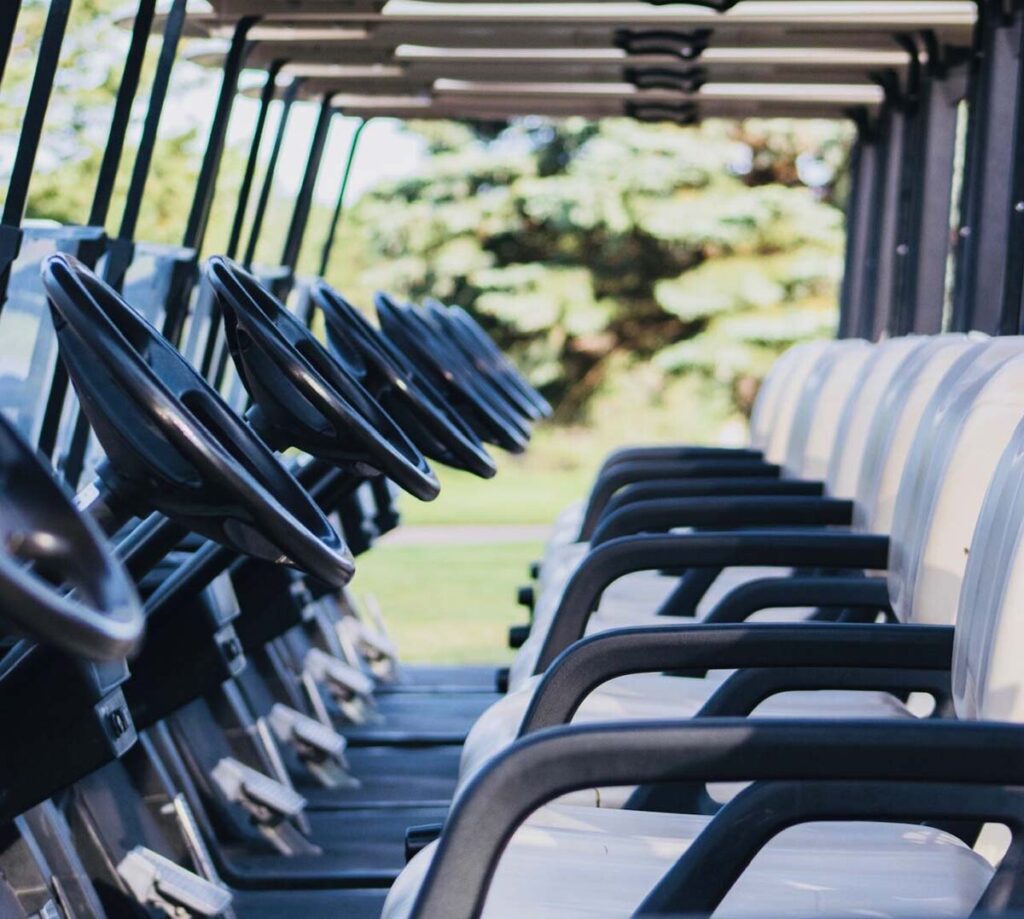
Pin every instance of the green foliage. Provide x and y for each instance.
(78, 122)
(591, 249)
(608, 257)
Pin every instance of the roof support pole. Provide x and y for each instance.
(122, 114)
(853, 202)
(8, 21)
(983, 295)
(121, 249)
(266, 97)
(268, 180)
(898, 125)
(115, 251)
(304, 199)
(213, 338)
(215, 352)
(31, 134)
(925, 239)
(339, 205)
(202, 201)
(863, 216)
(1012, 321)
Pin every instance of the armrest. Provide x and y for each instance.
(744, 690)
(619, 557)
(708, 488)
(835, 592)
(627, 473)
(546, 765)
(580, 669)
(720, 512)
(657, 452)
(701, 878)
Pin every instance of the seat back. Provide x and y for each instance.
(965, 429)
(866, 395)
(895, 424)
(791, 386)
(816, 420)
(990, 621)
(769, 396)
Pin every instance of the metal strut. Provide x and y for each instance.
(266, 97)
(304, 199)
(985, 281)
(31, 134)
(118, 251)
(213, 341)
(268, 180)
(863, 216)
(924, 245)
(339, 206)
(8, 21)
(122, 249)
(199, 216)
(122, 114)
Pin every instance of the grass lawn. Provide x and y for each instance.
(448, 604)
(520, 493)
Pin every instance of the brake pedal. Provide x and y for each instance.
(375, 648)
(350, 688)
(271, 805)
(157, 881)
(321, 749)
(268, 800)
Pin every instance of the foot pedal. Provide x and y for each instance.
(373, 646)
(501, 680)
(417, 838)
(517, 635)
(525, 596)
(321, 749)
(157, 881)
(350, 688)
(267, 800)
(274, 808)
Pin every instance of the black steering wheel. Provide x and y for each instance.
(304, 398)
(481, 350)
(172, 443)
(46, 545)
(460, 382)
(369, 357)
(477, 332)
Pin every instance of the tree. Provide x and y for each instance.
(591, 249)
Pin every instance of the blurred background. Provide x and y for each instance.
(645, 276)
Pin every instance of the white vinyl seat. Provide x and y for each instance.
(883, 406)
(567, 860)
(771, 421)
(577, 862)
(816, 381)
(962, 431)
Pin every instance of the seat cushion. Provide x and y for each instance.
(634, 600)
(582, 862)
(645, 696)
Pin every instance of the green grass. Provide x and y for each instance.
(519, 494)
(454, 603)
(450, 603)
